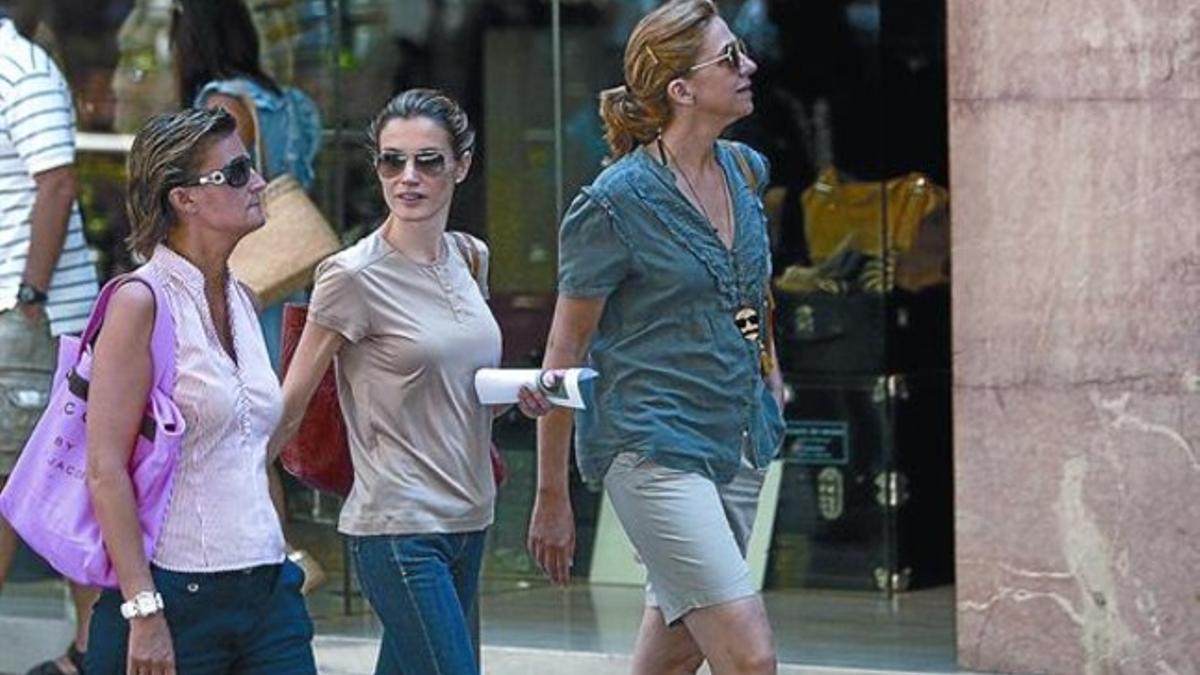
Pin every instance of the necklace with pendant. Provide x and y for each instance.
(745, 317)
(666, 155)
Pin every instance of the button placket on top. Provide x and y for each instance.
(443, 273)
(192, 286)
(745, 286)
(742, 285)
(233, 362)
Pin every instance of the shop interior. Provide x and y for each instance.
(854, 541)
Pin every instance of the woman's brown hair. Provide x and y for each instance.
(663, 45)
(432, 104)
(165, 155)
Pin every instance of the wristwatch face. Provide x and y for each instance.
(28, 295)
(146, 605)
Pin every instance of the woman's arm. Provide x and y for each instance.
(116, 400)
(318, 345)
(121, 379)
(551, 538)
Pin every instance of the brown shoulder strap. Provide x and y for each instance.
(744, 165)
(468, 251)
(767, 362)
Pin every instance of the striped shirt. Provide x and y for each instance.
(220, 517)
(37, 133)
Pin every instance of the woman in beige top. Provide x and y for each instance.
(409, 326)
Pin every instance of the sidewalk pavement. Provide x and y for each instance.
(24, 642)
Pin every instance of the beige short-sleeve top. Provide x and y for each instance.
(416, 333)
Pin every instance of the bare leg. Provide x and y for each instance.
(750, 649)
(662, 649)
(83, 597)
(8, 543)
(8, 549)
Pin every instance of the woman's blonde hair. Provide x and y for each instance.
(165, 155)
(663, 45)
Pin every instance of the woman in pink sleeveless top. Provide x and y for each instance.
(218, 595)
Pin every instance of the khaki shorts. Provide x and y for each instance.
(689, 532)
(27, 360)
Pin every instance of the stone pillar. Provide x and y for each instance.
(1075, 181)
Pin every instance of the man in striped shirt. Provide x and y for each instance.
(48, 275)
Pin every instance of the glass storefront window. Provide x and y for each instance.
(851, 111)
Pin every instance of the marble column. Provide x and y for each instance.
(1075, 175)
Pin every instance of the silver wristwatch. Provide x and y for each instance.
(142, 605)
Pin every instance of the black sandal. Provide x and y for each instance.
(50, 667)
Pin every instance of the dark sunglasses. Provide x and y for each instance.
(235, 174)
(430, 163)
(734, 53)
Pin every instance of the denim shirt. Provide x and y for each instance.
(678, 382)
(289, 122)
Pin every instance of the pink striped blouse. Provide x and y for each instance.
(220, 516)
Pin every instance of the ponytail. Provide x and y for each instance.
(627, 122)
(662, 47)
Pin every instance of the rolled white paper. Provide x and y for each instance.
(500, 385)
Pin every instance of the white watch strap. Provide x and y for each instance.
(141, 605)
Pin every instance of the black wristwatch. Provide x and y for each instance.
(28, 294)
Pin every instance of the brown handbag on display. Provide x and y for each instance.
(279, 257)
(319, 454)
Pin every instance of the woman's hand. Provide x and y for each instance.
(551, 539)
(150, 650)
(533, 403)
(775, 385)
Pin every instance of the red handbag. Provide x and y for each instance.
(319, 454)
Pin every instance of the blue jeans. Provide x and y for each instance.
(424, 588)
(246, 622)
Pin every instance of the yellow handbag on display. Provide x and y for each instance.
(903, 222)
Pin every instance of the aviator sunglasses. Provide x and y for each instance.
(235, 174)
(429, 163)
(734, 52)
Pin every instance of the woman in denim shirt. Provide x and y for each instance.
(663, 270)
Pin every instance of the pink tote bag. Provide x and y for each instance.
(47, 500)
